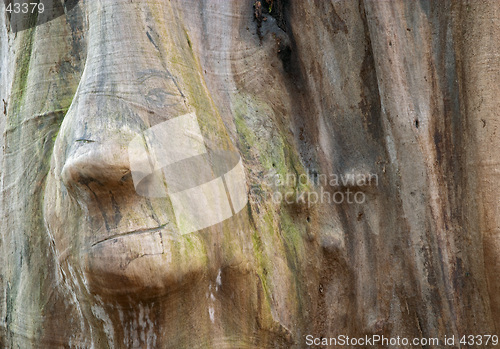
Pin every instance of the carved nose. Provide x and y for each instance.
(105, 164)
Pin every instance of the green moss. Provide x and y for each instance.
(266, 145)
(262, 262)
(246, 137)
(21, 76)
(268, 151)
(190, 248)
(189, 76)
(248, 110)
(293, 235)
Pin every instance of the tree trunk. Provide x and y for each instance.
(365, 132)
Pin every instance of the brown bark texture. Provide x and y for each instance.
(367, 133)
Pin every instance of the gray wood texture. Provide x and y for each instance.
(404, 93)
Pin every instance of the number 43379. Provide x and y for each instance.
(26, 7)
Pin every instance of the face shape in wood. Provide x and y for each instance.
(143, 167)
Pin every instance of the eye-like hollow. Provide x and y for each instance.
(160, 90)
(160, 98)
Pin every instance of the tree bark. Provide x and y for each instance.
(367, 134)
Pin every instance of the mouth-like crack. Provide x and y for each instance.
(134, 232)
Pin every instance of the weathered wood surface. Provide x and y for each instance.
(403, 90)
